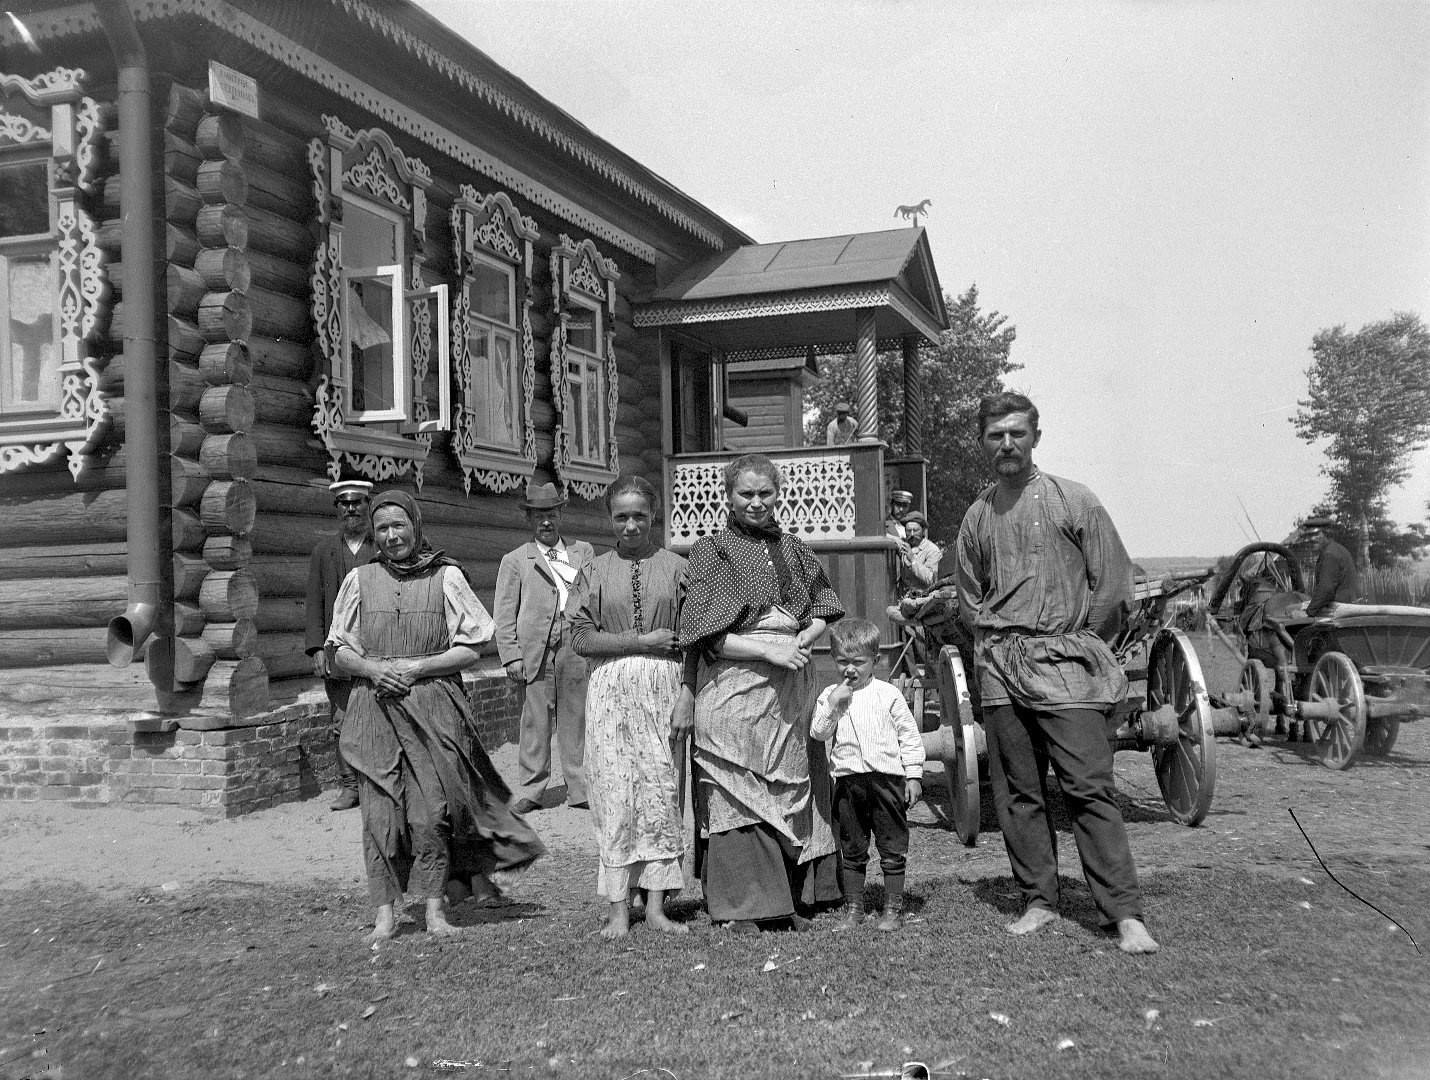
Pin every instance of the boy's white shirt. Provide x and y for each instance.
(876, 733)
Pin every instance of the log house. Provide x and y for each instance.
(362, 250)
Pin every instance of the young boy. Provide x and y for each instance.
(877, 758)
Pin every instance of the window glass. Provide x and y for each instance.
(29, 361)
(369, 238)
(491, 292)
(583, 330)
(24, 198)
(368, 327)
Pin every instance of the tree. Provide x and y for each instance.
(1369, 394)
(969, 361)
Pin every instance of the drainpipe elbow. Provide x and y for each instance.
(128, 632)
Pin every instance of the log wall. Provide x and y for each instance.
(247, 475)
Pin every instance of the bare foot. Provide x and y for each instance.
(385, 926)
(1133, 937)
(1032, 920)
(656, 918)
(618, 923)
(637, 902)
(437, 918)
(487, 893)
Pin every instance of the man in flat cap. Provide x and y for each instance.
(918, 557)
(332, 558)
(534, 644)
(1337, 581)
(900, 503)
(842, 428)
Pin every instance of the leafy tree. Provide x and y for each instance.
(969, 361)
(1369, 395)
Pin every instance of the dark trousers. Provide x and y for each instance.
(338, 691)
(865, 805)
(1022, 741)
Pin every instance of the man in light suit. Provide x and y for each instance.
(332, 558)
(534, 644)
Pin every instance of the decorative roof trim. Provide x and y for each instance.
(388, 109)
(727, 309)
(527, 117)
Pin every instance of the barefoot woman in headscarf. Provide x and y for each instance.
(433, 806)
(756, 601)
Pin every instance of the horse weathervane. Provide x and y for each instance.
(913, 213)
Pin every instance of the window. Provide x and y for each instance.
(52, 283)
(583, 367)
(386, 389)
(495, 390)
(585, 373)
(495, 358)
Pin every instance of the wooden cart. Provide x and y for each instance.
(1166, 711)
(1342, 682)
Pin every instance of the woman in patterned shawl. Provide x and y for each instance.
(623, 613)
(756, 601)
(434, 807)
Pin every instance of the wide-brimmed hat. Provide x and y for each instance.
(340, 488)
(1319, 521)
(542, 497)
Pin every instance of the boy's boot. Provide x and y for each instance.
(851, 883)
(893, 917)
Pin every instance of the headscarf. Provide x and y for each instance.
(423, 558)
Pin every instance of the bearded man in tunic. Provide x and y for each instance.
(1045, 584)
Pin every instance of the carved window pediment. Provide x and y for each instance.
(382, 329)
(584, 380)
(53, 287)
(494, 354)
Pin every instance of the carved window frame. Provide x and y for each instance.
(491, 228)
(367, 165)
(70, 149)
(582, 279)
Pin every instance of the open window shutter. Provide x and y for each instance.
(430, 346)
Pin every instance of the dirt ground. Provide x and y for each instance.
(1374, 816)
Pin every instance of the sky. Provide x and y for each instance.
(1167, 199)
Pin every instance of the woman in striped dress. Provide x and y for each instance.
(623, 614)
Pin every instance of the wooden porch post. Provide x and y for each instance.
(868, 374)
(913, 398)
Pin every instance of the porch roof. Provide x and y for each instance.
(776, 299)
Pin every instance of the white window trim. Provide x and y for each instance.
(489, 229)
(70, 147)
(367, 165)
(581, 277)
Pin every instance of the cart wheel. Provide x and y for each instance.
(1186, 769)
(1338, 738)
(1255, 684)
(1380, 735)
(960, 766)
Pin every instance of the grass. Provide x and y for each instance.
(1263, 975)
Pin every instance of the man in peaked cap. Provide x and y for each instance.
(534, 644)
(332, 558)
(843, 427)
(900, 503)
(1337, 581)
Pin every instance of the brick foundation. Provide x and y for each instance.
(282, 756)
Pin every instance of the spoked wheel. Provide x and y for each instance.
(1380, 735)
(1186, 769)
(1255, 688)
(915, 692)
(960, 765)
(1337, 723)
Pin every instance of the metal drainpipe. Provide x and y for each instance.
(128, 632)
